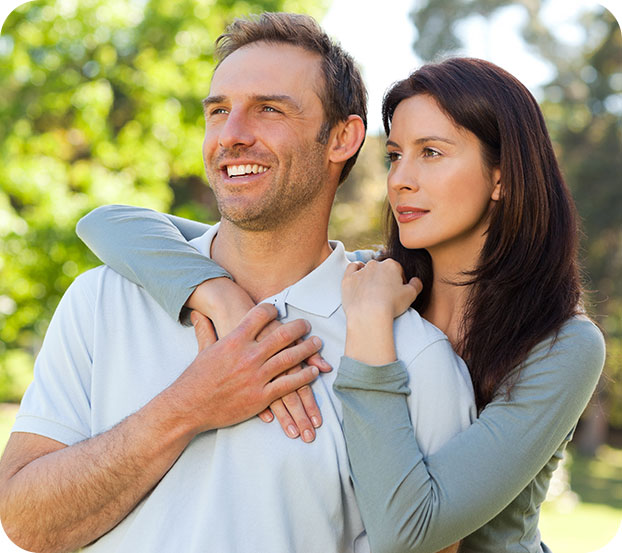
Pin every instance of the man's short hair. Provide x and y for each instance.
(343, 93)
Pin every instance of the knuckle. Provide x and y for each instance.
(263, 313)
(305, 392)
(291, 400)
(288, 357)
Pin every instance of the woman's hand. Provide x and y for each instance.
(225, 303)
(373, 294)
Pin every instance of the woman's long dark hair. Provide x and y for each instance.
(526, 283)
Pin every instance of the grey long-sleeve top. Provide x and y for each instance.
(485, 485)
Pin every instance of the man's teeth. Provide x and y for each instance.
(237, 170)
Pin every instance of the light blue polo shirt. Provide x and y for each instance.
(110, 349)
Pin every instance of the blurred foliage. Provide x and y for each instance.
(583, 107)
(357, 216)
(100, 103)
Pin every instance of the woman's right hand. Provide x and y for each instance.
(226, 303)
(373, 294)
(377, 288)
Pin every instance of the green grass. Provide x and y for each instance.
(578, 523)
(581, 529)
(589, 517)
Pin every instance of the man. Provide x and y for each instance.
(123, 440)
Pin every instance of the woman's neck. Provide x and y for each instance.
(447, 304)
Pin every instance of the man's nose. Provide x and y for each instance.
(237, 130)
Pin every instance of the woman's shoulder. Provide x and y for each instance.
(579, 333)
(578, 347)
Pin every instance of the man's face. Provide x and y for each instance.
(260, 151)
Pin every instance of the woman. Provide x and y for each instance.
(480, 212)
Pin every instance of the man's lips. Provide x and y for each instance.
(406, 213)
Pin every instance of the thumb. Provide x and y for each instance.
(203, 329)
(416, 284)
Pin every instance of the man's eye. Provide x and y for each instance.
(270, 109)
(218, 111)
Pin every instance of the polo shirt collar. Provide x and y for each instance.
(318, 293)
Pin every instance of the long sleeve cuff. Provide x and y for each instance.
(353, 374)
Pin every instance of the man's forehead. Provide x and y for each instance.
(278, 59)
(271, 70)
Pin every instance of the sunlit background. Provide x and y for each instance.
(100, 104)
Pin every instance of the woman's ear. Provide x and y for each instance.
(496, 179)
(347, 139)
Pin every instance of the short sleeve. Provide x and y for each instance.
(57, 403)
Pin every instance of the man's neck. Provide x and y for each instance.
(266, 262)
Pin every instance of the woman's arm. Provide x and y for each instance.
(150, 249)
(416, 505)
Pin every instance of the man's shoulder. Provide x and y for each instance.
(103, 286)
(414, 333)
(93, 280)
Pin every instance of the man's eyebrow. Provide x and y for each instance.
(279, 98)
(212, 100)
(423, 140)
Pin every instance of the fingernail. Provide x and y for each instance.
(314, 370)
(193, 317)
(316, 342)
(307, 436)
(315, 421)
(292, 431)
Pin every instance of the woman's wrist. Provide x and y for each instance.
(370, 339)
(223, 301)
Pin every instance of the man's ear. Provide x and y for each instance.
(496, 179)
(346, 139)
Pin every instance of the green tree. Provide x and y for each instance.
(583, 106)
(100, 104)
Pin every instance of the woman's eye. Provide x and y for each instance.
(392, 156)
(429, 152)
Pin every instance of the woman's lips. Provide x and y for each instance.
(405, 214)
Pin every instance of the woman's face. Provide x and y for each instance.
(439, 188)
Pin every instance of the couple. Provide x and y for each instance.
(127, 441)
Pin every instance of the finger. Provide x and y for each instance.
(353, 267)
(270, 327)
(296, 409)
(392, 265)
(289, 358)
(255, 320)
(266, 415)
(310, 406)
(287, 383)
(285, 419)
(321, 363)
(203, 330)
(282, 337)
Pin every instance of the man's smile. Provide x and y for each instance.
(248, 169)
